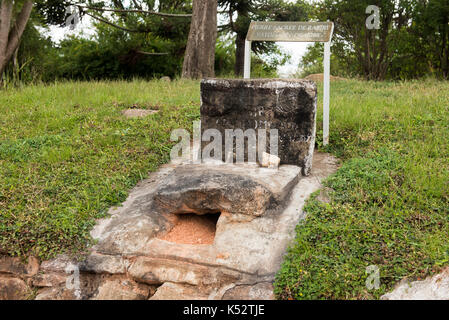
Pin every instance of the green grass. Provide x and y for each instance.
(67, 155)
(389, 201)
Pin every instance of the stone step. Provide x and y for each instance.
(234, 188)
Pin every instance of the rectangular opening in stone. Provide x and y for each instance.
(191, 228)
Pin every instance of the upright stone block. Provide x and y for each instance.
(286, 105)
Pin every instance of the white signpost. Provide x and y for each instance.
(295, 32)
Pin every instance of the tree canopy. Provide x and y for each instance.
(412, 41)
(149, 38)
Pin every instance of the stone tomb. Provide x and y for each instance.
(286, 105)
(205, 231)
(256, 212)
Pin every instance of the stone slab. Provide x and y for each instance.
(432, 288)
(286, 105)
(234, 188)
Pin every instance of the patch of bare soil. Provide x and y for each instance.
(319, 77)
(193, 229)
(137, 113)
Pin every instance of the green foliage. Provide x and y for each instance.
(224, 57)
(312, 63)
(240, 13)
(35, 50)
(34, 54)
(115, 53)
(118, 54)
(431, 27)
(412, 42)
(265, 66)
(112, 55)
(389, 201)
(260, 67)
(52, 11)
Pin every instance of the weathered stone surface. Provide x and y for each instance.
(158, 271)
(132, 225)
(13, 289)
(127, 233)
(33, 266)
(176, 291)
(122, 289)
(258, 291)
(240, 263)
(49, 280)
(432, 288)
(15, 277)
(12, 265)
(238, 189)
(58, 264)
(57, 293)
(286, 105)
(74, 286)
(100, 263)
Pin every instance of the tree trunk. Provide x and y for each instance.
(5, 22)
(239, 54)
(199, 57)
(9, 39)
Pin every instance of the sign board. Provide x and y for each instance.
(294, 31)
(289, 31)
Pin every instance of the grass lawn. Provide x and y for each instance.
(67, 155)
(389, 201)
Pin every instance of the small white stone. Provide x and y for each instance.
(270, 161)
(274, 162)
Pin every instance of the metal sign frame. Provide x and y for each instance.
(285, 37)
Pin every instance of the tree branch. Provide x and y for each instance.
(152, 53)
(19, 27)
(5, 23)
(138, 6)
(224, 27)
(115, 25)
(172, 15)
(231, 23)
